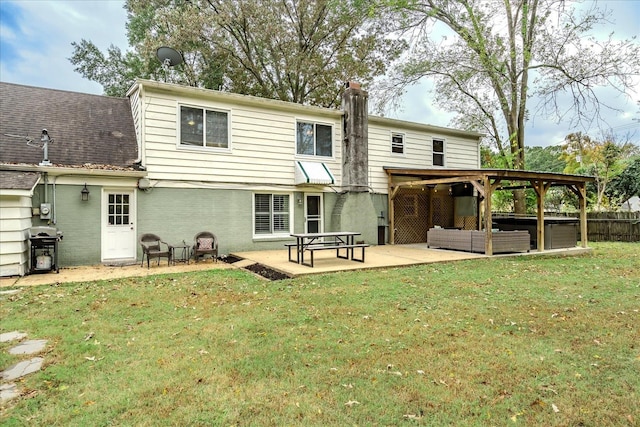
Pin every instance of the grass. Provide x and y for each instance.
(503, 341)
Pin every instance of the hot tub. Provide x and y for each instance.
(559, 232)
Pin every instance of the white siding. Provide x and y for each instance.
(262, 146)
(15, 221)
(262, 143)
(461, 152)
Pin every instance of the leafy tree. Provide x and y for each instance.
(627, 184)
(602, 159)
(502, 53)
(545, 159)
(294, 50)
(116, 71)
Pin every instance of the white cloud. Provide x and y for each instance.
(44, 41)
(46, 30)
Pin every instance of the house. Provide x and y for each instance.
(175, 160)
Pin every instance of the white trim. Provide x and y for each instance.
(132, 221)
(314, 123)
(202, 148)
(392, 134)
(444, 152)
(253, 216)
(320, 210)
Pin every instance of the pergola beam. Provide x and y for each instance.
(486, 181)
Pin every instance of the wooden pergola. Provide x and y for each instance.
(486, 182)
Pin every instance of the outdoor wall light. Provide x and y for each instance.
(299, 201)
(84, 193)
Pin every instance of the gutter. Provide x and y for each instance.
(56, 171)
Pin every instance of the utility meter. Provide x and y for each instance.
(45, 211)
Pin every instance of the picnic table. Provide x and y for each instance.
(332, 240)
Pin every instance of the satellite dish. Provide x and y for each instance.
(169, 56)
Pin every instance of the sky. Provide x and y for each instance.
(36, 37)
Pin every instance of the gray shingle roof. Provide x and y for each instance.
(85, 128)
(16, 180)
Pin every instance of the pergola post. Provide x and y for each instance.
(392, 234)
(488, 220)
(541, 190)
(582, 196)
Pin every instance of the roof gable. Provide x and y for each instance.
(86, 129)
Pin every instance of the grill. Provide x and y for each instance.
(44, 249)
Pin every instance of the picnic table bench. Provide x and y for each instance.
(338, 241)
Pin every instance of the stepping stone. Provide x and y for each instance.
(10, 292)
(8, 392)
(10, 336)
(21, 369)
(29, 347)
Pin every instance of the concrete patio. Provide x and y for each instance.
(384, 256)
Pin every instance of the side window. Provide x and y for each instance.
(271, 214)
(200, 127)
(397, 143)
(314, 139)
(438, 152)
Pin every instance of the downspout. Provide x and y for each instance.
(55, 209)
(139, 131)
(46, 180)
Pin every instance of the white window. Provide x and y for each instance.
(397, 143)
(200, 127)
(314, 139)
(438, 152)
(271, 214)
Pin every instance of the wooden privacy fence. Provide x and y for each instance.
(611, 226)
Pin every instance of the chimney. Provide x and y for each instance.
(355, 152)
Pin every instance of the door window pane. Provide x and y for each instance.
(118, 209)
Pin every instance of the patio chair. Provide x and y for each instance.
(205, 243)
(152, 247)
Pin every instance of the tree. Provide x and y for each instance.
(603, 159)
(503, 53)
(545, 159)
(294, 50)
(626, 184)
(116, 72)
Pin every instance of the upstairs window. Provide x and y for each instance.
(271, 214)
(204, 128)
(438, 152)
(397, 143)
(314, 139)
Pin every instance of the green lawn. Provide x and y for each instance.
(505, 341)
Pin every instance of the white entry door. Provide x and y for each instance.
(313, 213)
(118, 225)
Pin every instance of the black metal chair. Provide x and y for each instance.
(205, 243)
(152, 247)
